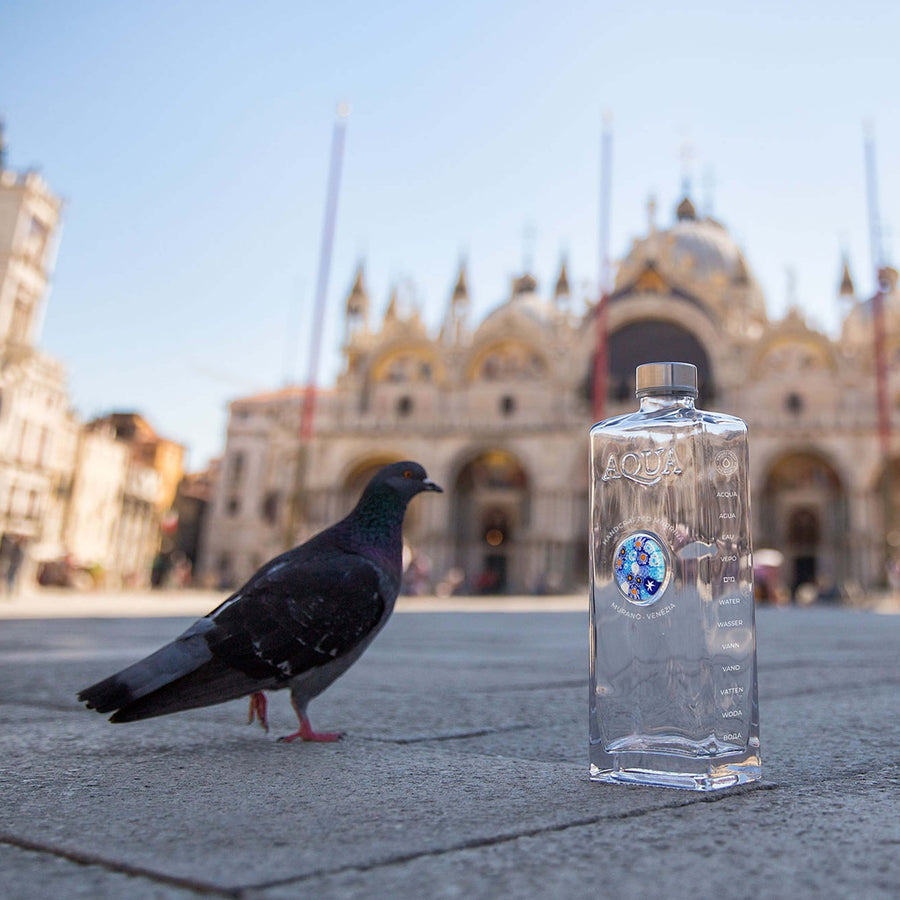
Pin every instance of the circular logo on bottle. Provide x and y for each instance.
(726, 462)
(641, 568)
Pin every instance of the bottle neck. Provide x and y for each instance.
(651, 402)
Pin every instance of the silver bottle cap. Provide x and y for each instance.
(666, 378)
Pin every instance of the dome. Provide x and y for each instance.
(698, 256)
(708, 249)
(524, 300)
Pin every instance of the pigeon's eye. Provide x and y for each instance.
(407, 473)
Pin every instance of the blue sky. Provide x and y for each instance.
(190, 143)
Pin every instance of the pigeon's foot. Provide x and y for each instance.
(305, 731)
(258, 710)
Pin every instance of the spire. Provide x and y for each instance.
(562, 292)
(358, 291)
(846, 289)
(685, 210)
(391, 314)
(461, 291)
(357, 308)
(526, 284)
(454, 328)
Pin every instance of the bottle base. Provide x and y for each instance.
(686, 774)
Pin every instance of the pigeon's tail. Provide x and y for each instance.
(214, 682)
(166, 665)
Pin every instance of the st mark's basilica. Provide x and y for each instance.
(498, 411)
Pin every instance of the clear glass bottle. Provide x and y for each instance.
(673, 639)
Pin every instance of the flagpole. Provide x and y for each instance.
(601, 356)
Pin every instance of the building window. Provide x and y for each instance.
(507, 405)
(233, 506)
(793, 403)
(270, 508)
(237, 468)
(404, 406)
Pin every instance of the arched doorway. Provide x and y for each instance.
(654, 340)
(886, 513)
(491, 515)
(804, 515)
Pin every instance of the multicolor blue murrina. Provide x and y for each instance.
(640, 568)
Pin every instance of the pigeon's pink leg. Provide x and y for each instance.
(258, 710)
(305, 731)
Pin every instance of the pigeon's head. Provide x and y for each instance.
(404, 478)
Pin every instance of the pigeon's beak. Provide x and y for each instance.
(431, 486)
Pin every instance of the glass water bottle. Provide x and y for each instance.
(673, 641)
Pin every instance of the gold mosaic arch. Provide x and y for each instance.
(792, 354)
(491, 466)
(507, 359)
(651, 282)
(797, 465)
(409, 364)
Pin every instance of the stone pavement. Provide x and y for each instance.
(463, 773)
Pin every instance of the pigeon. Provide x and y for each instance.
(300, 622)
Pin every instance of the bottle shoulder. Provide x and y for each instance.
(677, 417)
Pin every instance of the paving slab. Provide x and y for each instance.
(698, 850)
(464, 773)
(34, 873)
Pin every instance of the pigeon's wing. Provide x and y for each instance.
(297, 615)
(183, 656)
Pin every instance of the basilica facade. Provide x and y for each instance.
(499, 410)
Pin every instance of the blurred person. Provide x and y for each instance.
(451, 582)
(179, 570)
(160, 570)
(15, 555)
(418, 575)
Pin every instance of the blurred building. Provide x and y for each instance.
(38, 434)
(148, 449)
(192, 504)
(498, 411)
(72, 496)
(148, 471)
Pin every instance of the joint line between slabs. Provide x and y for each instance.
(500, 839)
(454, 736)
(89, 859)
